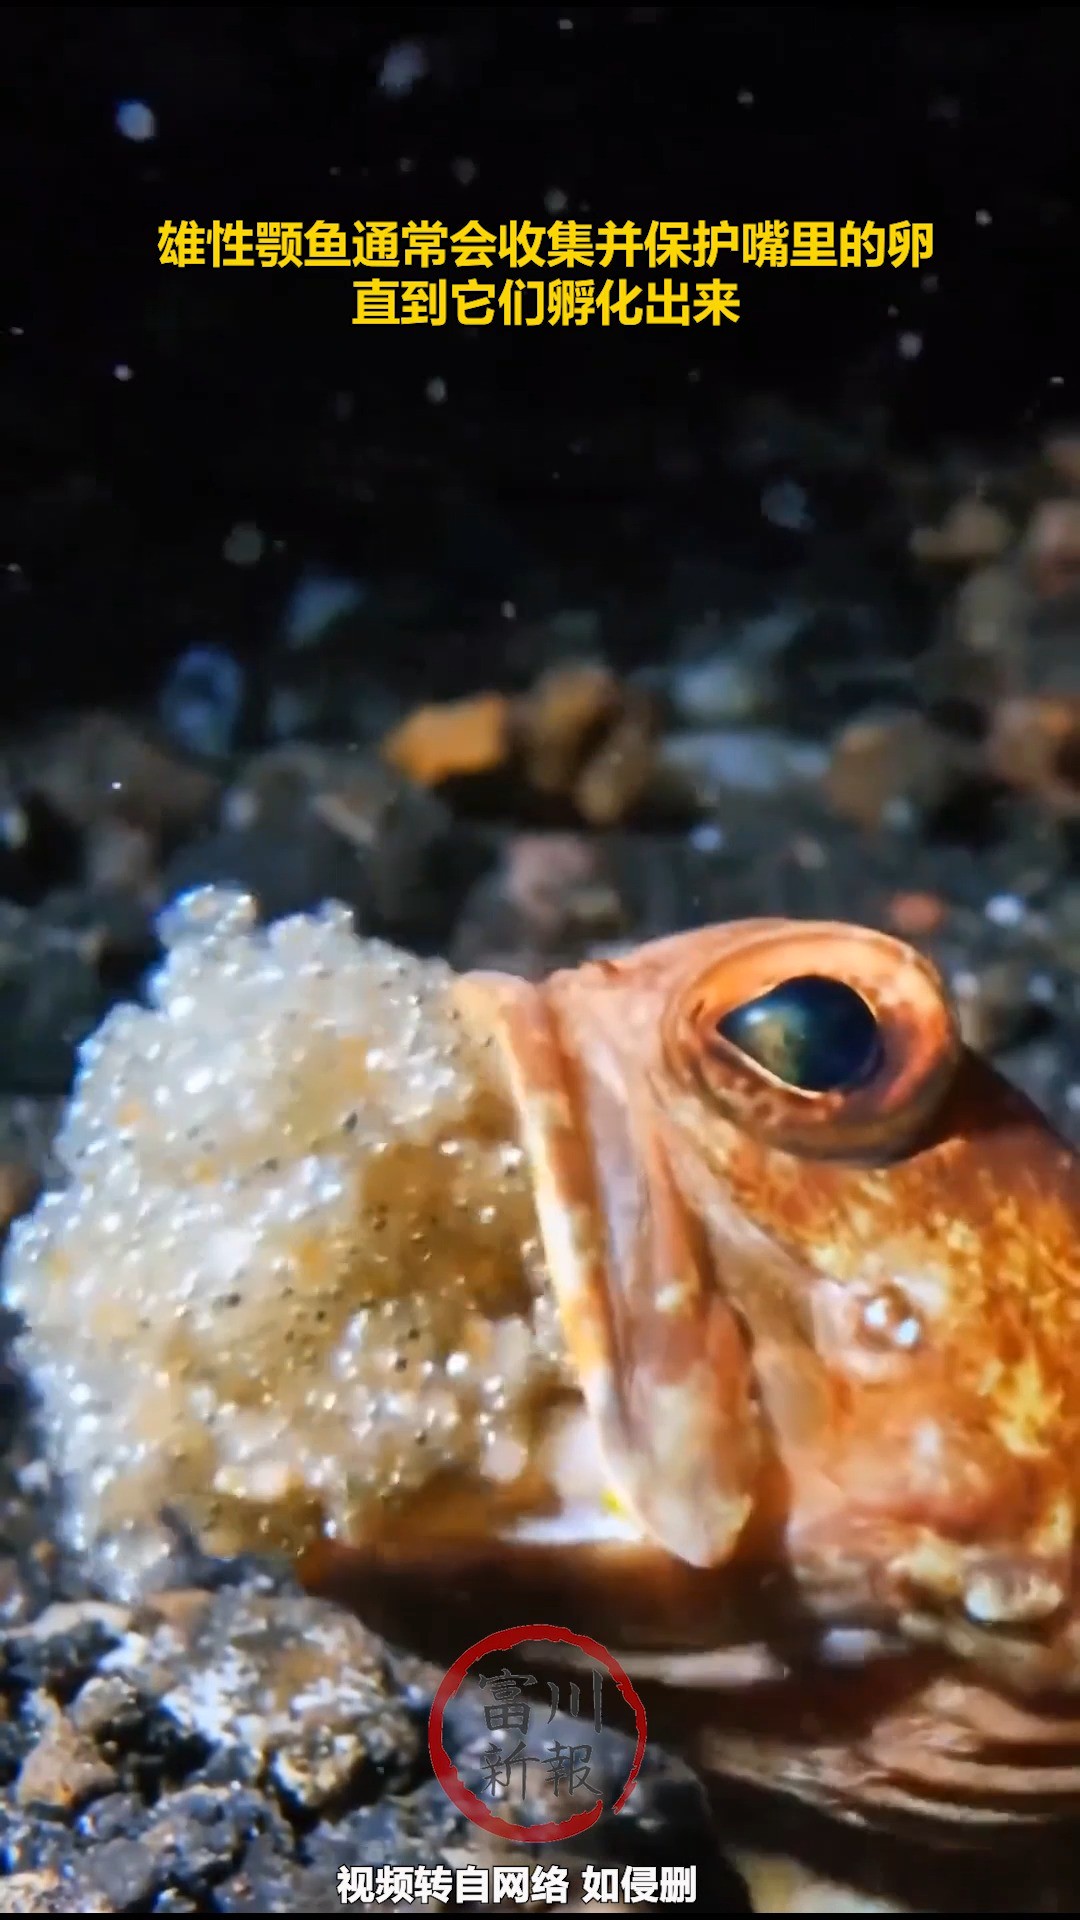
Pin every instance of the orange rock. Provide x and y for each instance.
(559, 720)
(456, 737)
(579, 735)
(620, 772)
(1034, 744)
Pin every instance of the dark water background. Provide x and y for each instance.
(553, 451)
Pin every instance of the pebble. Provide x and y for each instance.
(993, 1003)
(972, 531)
(548, 901)
(980, 655)
(305, 1694)
(98, 766)
(707, 766)
(717, 690)
(881, 759)
(1052, 546)
(64, 1769)
(914, 915)
(1034, 745)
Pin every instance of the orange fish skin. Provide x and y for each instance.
(830, 1343)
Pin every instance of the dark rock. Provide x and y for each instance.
(294, 1691)
(60, 1650)
(294, 874)
(97, 767)
(50, 999)
(307, 825)
(548, 903)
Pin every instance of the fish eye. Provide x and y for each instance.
(812, 1032)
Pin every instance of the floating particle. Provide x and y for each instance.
(123, 372)
(14, 828)
(554, 200)
(317, 600)
(464, 172)
(744, 97)
(982, 218)
(243, 545)
(403, 65)
(707, 837)
(909, 346)
(201, 700)
(436, 390)
(135, 120)
(786, 505)
(1005, 910)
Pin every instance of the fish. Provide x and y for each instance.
(816, 1269)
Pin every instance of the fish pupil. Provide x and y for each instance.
(817, 1034)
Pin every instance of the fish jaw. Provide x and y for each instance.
(660, 1358)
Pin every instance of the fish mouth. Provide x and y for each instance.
(556, 1537)
(655, 1349)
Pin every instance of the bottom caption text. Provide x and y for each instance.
(488, 1886)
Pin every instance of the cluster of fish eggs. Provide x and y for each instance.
(293, 1270)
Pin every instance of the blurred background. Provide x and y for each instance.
(775, 614)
